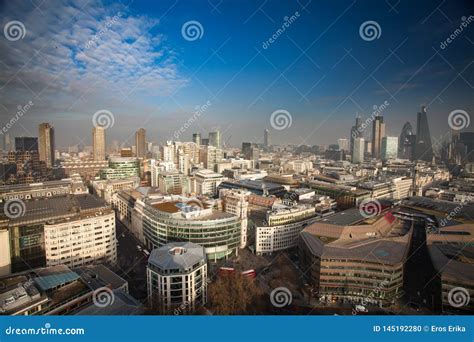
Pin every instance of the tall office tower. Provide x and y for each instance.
(406, 142)
(358, 151)
(98, 143)
(7, 142)
(140, 143)
(46, 143)
(167, 152)
(266, 138)
(183, 162)
(368, 148)
(197, 138)
(423, 147)
(356, 132)
(343, 144)
(26, 144)
(389, 149)
(378, 132)
(215, 139)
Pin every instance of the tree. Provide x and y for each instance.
(233, 294)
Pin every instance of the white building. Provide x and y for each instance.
(177, 278)
(358, 151)
(389, 148)
(108, 188)
(236, 202)
(90, 238)
(207, 181)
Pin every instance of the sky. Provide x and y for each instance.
(238, 62)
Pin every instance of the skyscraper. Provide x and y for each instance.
(406, 142)
(140, 143)
(378, 132)
(197, 138)
(46, 143)
(423, 147)
(356, 132)
(358, 151)
(98, 143)
(266, 138)
(389, 148)
(215, 139)
(343, 144)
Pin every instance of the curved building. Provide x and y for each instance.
(406, 142)
(217, 231)
(177, 278)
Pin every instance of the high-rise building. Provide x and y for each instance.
(343, 144)
(356, 132)
(197, 138)
(358, 150)
(46, 143)
(368, 148)
(406, 142)
(140, 142)
(26, 144)
(98, 143)
(389, 148)
(266, 138)
(378, 132)
(205, 142)
(423, 147)
(215, 139)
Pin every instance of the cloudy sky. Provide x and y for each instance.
(151, 64)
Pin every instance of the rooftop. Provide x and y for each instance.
(177, 256)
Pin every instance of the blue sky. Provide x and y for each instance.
(319, 69)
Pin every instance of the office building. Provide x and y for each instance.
(352, 259)
(197, 138)
(26, 144)
(423, 147)
(46, 143)
(343, 144)
(356, 132)
(358, 151)
(215, 139)
(177, 278)
(236, 202)
(266, 138)
(140, 143)
(120, 168)
(378, 132)
(389, 148)
(98, 143)
(406, 143)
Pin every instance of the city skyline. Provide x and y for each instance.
(154, 74)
